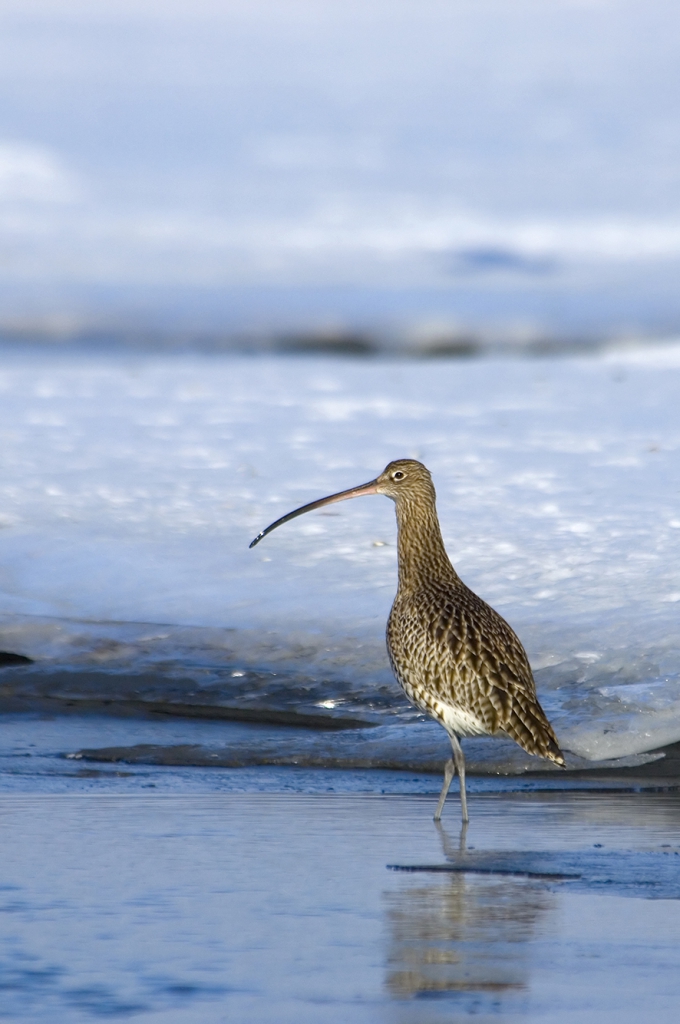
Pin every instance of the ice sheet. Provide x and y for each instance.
(132, 485)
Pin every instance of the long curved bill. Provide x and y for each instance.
(353, 492)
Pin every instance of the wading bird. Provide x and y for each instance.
(455, 658)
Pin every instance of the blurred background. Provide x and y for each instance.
(430, 173)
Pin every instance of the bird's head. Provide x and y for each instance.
(403, 480)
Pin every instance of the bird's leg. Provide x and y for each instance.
(459, 758)
(449, 772)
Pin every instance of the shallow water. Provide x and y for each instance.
(257, 907)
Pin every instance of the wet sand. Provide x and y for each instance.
(282, 907)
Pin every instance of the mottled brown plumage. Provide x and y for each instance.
(454, 656)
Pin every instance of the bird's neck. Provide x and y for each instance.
(422, 555)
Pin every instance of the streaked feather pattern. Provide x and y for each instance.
(455, 657)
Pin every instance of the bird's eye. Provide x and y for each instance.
(398, 475)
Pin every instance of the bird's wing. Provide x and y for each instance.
(480, 646)
(485, 669)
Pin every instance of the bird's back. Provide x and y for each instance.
(458, 660)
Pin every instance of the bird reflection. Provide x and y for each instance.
(452, 852)
(466, 936)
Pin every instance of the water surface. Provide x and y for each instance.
(279, 907)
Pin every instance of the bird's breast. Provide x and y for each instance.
(428, 673)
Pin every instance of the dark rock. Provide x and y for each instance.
(7, 658)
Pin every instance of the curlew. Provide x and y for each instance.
(455, 658)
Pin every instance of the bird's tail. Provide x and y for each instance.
(529, 727)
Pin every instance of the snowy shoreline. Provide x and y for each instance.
(133, 483)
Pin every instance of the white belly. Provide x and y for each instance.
(453, 717)
(460, 721)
